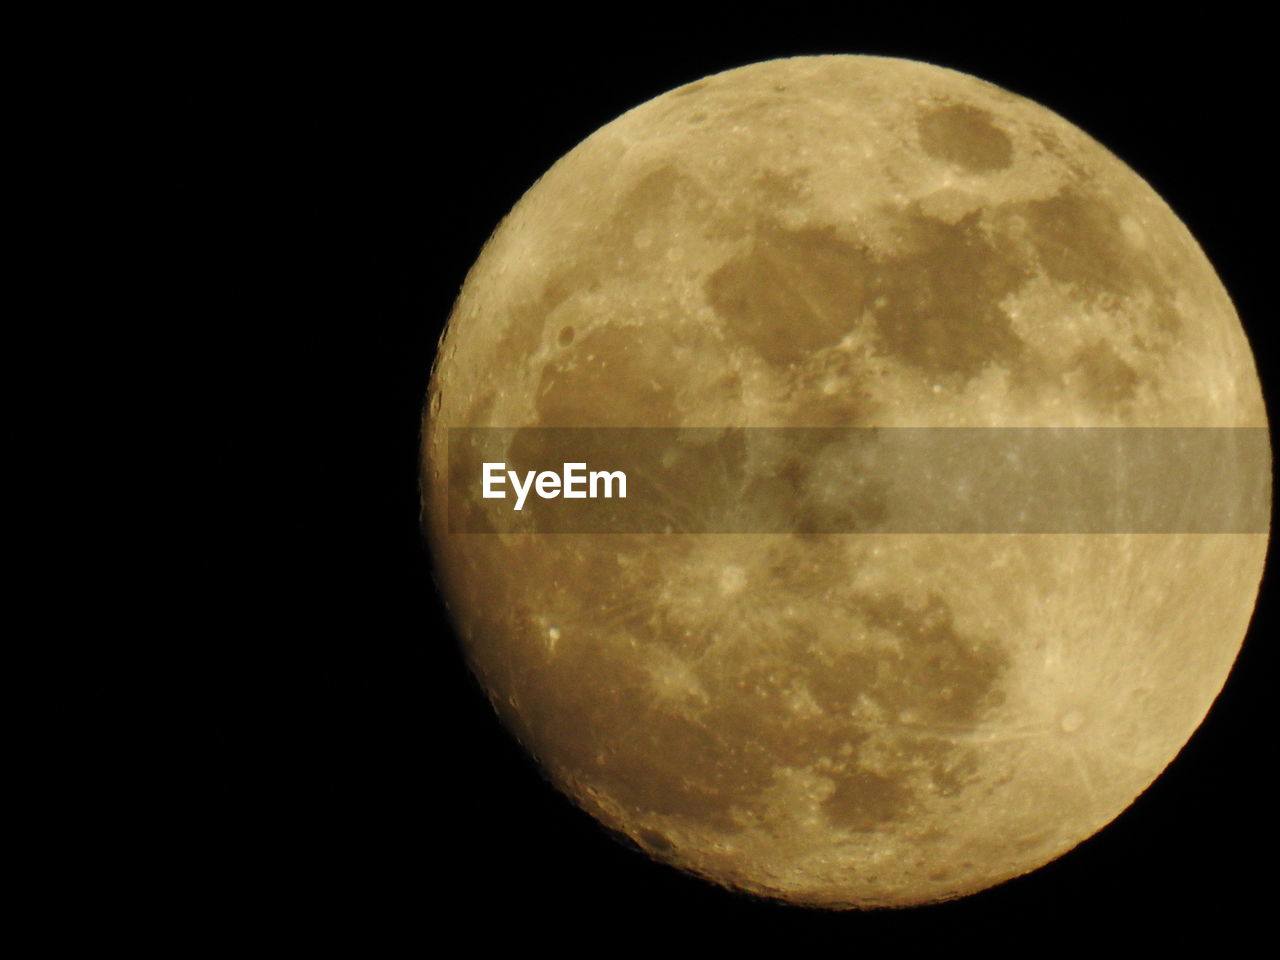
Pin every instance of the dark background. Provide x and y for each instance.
(381, 800)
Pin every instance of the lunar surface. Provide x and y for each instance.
(860, 719)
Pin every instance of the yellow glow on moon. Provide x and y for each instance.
(866, 719)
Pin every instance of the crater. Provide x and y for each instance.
(655, 840)
(1072, 721)
(689, 88)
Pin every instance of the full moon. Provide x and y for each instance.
(855, 719)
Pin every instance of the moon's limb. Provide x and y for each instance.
(846, 719)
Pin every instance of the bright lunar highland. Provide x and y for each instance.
(860, 719)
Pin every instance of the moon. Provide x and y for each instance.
(844, 720)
